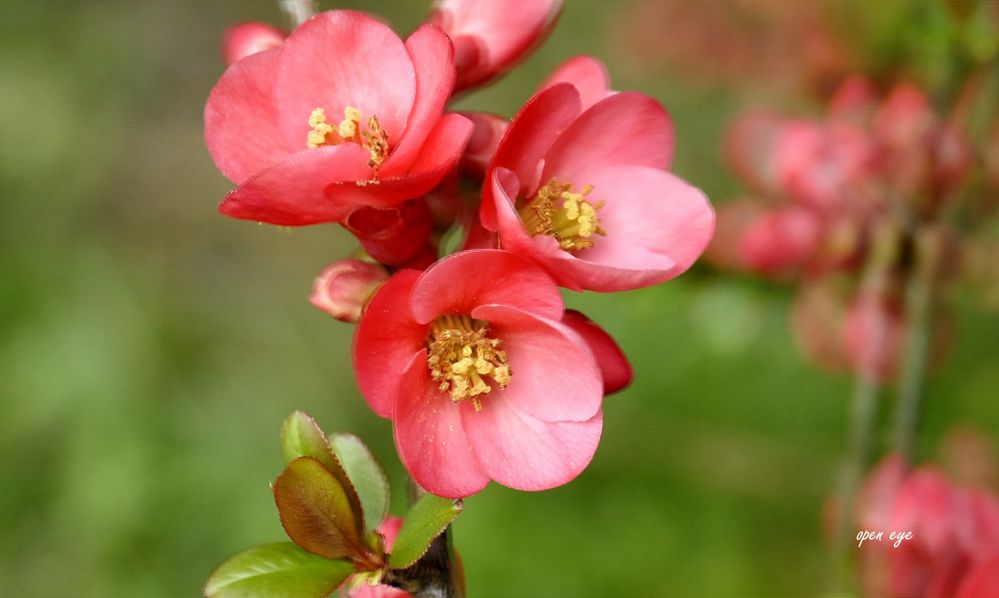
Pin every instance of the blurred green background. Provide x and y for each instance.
(150, 348)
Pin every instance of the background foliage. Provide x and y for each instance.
(150, 348)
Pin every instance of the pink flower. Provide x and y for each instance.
(344, 114)
(482, 380)
(491, 36)
(243, 39)
(394, 236)
(587, 74)
(344, 287)
(873, 333)
(586, 193)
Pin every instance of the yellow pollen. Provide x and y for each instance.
(568, 217)
(463, 358)
(372, 138)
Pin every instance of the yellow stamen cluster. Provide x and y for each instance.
(463, 357)
(373, 138)
(568, 217)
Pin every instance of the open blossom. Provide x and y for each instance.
(491, 36)
(343, 114)
(481, 377)
(586, 194)
(244, 39)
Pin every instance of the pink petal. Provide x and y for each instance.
(526, 453)
(587, 74)
(240, 120)
(338, 59)
(614, 367)
(430, 435)
(438, 157)
(654, 210)
(385, 340)
(292, 192)
(394, 236)
(554, 374)
(433, 61)
(629, 129)
(615, 264)
(486, 135)
(530, 134)
(465, 280)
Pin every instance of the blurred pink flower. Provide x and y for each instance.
(343, 114)
(491, 36)
(481, 378)
(955, 532)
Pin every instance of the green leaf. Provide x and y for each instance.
(280, 570)
(367, 475)
(301, 436)
(315, 511)
(426, 520)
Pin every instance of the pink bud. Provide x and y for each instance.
(490, 36)
(242, 39)
(343, 288)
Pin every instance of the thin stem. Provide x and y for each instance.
(299, 11)
(864, 403)
(919, 308)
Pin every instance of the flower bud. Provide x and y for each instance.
(242, 39)
(490, 36)
(343, 288)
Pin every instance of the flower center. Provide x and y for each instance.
(463, 357)
(372, 138)
(568, 217)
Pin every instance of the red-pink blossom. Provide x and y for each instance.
(586, 193)
(343, 114)
(491, 36)
(873, 333)
(587, 74)
(243, 39)
(344, 287)
(482, 379)
(394, 236)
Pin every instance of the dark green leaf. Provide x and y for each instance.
(315, 511)
(367, 476)
(280, 570)
(425, 521)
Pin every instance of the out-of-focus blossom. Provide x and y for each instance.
(780, 240)
(587, 195)
(817, 315)
(491, 36)
(954, 532)
(481, 378)
(343, 288)
(343, 114)
(489, 129)
(243, 39)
